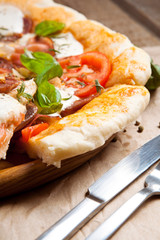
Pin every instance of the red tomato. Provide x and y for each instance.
(90, 66)
(32, 131)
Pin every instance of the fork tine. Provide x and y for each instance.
(116, 220)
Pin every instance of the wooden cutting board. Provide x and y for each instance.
(19, 173)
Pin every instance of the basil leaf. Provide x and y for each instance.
(154, 80)
(46, 28)
(48, 98)
(51, 109)
(43, 64)
(39, 63)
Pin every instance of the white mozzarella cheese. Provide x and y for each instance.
(10, 108)
(67, 45)
(24, 39)
(11, 19)
(68, 94)
(10, 116)
(30, 88)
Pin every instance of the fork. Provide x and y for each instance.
(116, 220)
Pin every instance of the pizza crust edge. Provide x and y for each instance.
(91, 126)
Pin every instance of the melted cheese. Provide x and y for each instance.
(66, 93)
(10, 108)
(67, 45)
(11, 19)
(24, 39)
(11, 115)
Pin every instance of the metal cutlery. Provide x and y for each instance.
(117, 219)
(104, 189)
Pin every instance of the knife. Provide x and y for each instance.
(104, 189)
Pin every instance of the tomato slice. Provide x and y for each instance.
(32, 131)
(86, 68)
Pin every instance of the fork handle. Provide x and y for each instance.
(115, 221)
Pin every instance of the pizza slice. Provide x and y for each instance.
(91, 126)
(85, 79)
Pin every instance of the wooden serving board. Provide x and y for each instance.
(18, 173)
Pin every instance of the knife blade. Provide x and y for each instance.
(104, 189)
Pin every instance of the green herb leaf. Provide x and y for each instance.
(154, 80)
(43, 64)
(21, 93)
(47, 28)
(48, 98)
(3, 28)
(73, 66)
(81, 83)
(54, 50)
(67, 98)
(98, 86)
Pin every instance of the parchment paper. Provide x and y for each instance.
(26, 216)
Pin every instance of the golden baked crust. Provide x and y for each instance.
(91, 126)
(130, 65)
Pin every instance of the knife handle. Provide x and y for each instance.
(115, 221)
(67, 226)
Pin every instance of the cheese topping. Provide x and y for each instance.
(67, 45)
(24, 39)
(9, 108)
(11, 20)
(66, 93)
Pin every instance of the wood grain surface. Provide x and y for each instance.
(18, 173)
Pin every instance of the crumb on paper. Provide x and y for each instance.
(137, 123)
(140, 129)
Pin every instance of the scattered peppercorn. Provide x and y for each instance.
(158, 125)
(124, 130)
(137, 123)
(140, 129)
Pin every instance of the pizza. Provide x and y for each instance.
(67, 84)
